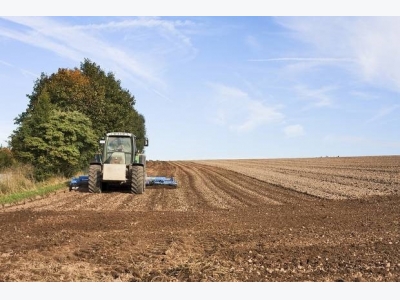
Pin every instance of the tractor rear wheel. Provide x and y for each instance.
(95, 179)
(137, 177)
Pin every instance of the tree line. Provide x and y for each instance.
(67, 114)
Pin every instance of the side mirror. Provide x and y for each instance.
(146, 142)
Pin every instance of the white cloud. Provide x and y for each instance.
(293, 131)
(24, 72)
(317, 97)
(78, 42)
(237, 111)
(364, 95)
(164, 27)
(370, 43)
(227, 92)
(5, 63)
(304, 59)
(252, 42)
(162, 95)
(257, 114)
(384, 111)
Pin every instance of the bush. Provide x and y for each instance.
(16, 179)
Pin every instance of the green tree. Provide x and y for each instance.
(35, 116)
(62, 145)
(94, 93)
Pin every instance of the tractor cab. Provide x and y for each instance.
(118, 150)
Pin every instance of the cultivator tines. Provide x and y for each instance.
(160, 181)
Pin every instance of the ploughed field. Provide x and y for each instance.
(317, 219)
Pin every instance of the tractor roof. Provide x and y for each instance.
(120, 134)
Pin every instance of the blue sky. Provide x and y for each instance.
(226, 86)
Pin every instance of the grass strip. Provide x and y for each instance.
(40, 191)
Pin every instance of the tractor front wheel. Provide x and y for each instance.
(95, 179)
(137, 177)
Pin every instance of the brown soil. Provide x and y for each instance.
(321, 219)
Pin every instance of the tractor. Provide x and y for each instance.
(119, 163)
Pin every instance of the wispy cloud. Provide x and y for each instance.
(5, 63)
(162, 95)
(319, 97)
(165, 28)
(364, 95)
(257, 115)
(24, 72)
(227, 92)
(293, 131)
(237, 111)
(306, 59)
(383, 112)
(371, 42)
(29, 74)
(253, 43)
(78, 42)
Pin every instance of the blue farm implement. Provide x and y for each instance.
(78, 182)
(161, 181)
(83, 181)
